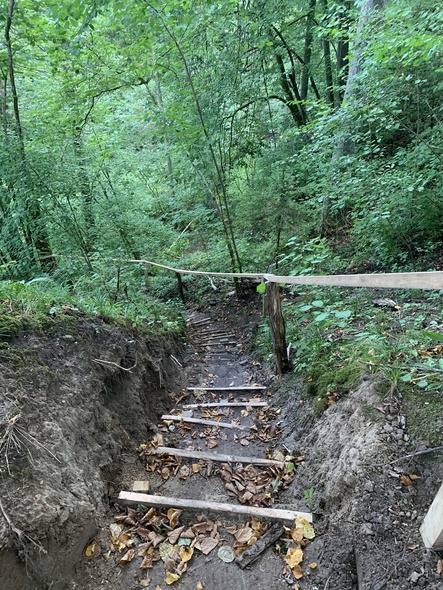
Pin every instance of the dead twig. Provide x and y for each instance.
(18, 532)
(101, 361)
(415, 454)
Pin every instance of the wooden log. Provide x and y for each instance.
(226, 405)
(131, 498)
(233, 388)
(432, 528)
(214, 456)
(204, 422)
(254, 551)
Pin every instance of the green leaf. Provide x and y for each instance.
(318, 303)
(423, 383)
(290, 467)
(321, 316)
(343, 314)
(433, 336)
(261, 288)
(406, 377)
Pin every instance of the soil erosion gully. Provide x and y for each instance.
(215, 472)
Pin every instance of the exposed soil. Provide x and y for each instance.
(92, 415)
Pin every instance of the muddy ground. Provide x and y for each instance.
(87, 394)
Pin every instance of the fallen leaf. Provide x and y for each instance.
(199, 586)
(294, 557)
(308, 529)
(196, 467)
(175, 534)
(313, 565)
(297, 572)
(166, 550)
(297, 534)
(173, 517)
(144, 583)
(206, 545)
(440, 567)
(91, 550)
(186, 553)
(171, 578)
(212, 443)
(127, 557)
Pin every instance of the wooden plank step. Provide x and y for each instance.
(132, 498)
(233, 388)
(215, 456)
(204, 422)
(253, 404)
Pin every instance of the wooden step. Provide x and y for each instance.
(132, 498)
(214, 456)
(253, 404)
(204, 422)
(233, 388)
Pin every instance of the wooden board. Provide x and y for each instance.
(432, 528)
(131, 498)
(204, 422)
(233, 388)
(226, 405)
(403, 280)
(214, 456)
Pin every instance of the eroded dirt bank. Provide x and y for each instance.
(73, 398)
(76, 399)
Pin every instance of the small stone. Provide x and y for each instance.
(387, 428)
(414, 577)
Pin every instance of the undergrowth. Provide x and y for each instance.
(339, 335)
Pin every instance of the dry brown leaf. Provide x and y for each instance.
(92, 549)
(243, 535)
(313, 565)
(308, 529)
(127, 557)
(199, 586)
(174, 535)
(440, 567)
(143, 548)
(203, 527)
(173, 516)
(144, 583)
(186, 553)
(297, 572)
(196, 467)
(297, 534)
(206, 545)
(244, 413)
(171, 578)
(147, 562)
(294, 557)
(212, 443)
(156, 538)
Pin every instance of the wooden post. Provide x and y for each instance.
(432, 528)
(278, 328)
(180, 286)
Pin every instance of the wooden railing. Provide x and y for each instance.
(404, 280)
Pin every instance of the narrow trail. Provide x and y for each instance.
(224, 386)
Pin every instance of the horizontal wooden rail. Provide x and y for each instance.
(402, 280)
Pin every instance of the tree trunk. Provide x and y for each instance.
(310, 22)
(34, 228)
(369, 11)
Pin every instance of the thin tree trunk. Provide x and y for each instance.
(328, 63)
(369, 11)
(310, 21)
(35, 233)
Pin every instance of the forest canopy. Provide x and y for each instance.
(230, 136)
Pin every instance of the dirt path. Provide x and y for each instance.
(217, 358)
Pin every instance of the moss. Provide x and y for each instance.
(327, 385)
(423, 409)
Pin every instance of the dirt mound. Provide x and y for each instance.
(70, 402)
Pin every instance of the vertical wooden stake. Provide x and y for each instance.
(432, 528)
(278, 328)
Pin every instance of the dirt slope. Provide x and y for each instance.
(75, 412)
